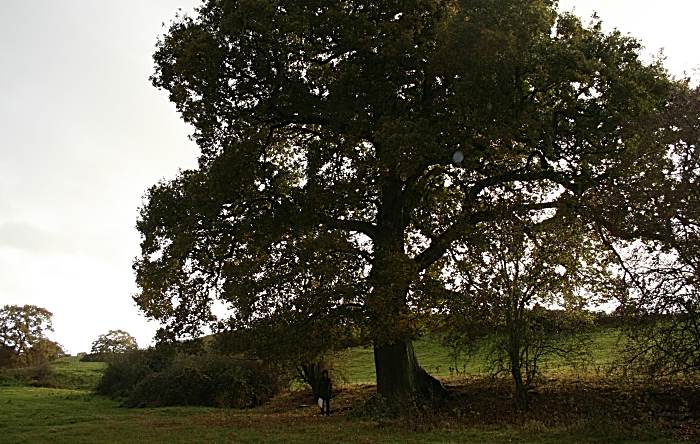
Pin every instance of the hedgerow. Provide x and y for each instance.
(150, 378)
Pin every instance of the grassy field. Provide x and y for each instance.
(481, 412)
(436, 360)
(41, 415)
(73, 374)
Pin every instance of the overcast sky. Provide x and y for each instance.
(83, 134)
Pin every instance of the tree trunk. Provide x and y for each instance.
(400, 378)
(516, 364)
(311, 374)
(522, 396)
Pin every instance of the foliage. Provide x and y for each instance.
(37, 376)
(655, 232)
(43, 351)
(271, 342)
(96, 357)
(114, 341)
(22, 336)
(347, 148)
(22, 327)
(502, 281)
(149, 378)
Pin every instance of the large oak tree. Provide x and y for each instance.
(348, 146)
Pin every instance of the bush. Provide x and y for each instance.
(97, 357)
(13, 377)
(127, 369)
(41, 352)
(150, 378)
(37, 376)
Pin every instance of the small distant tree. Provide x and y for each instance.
(114, 341)
(22, 335)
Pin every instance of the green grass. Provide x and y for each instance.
(74, 415)
(433, 357)
(605, 345)
(41, 415)
(67, 373)
(73, 374)
(436, 359)
(359, 366)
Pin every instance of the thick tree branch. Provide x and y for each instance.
(350, 225)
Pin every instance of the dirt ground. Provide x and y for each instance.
(602, 407)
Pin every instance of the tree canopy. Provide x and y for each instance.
(23, 336)
(348, 148)
(114, 341)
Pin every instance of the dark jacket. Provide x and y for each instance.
(325, 388)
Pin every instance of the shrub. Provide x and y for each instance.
(41, 352)
(13, 377)
(43, 376)
(150, 378)
(126, 370)
(37, 376)
(97, 357)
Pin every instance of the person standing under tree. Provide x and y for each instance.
(325, 390)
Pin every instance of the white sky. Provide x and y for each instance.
(83, 134)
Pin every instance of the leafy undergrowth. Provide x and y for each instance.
(609, 410)
(591, 410)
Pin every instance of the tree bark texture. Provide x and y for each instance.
(400, 378)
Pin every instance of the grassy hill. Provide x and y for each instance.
(68, 373)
